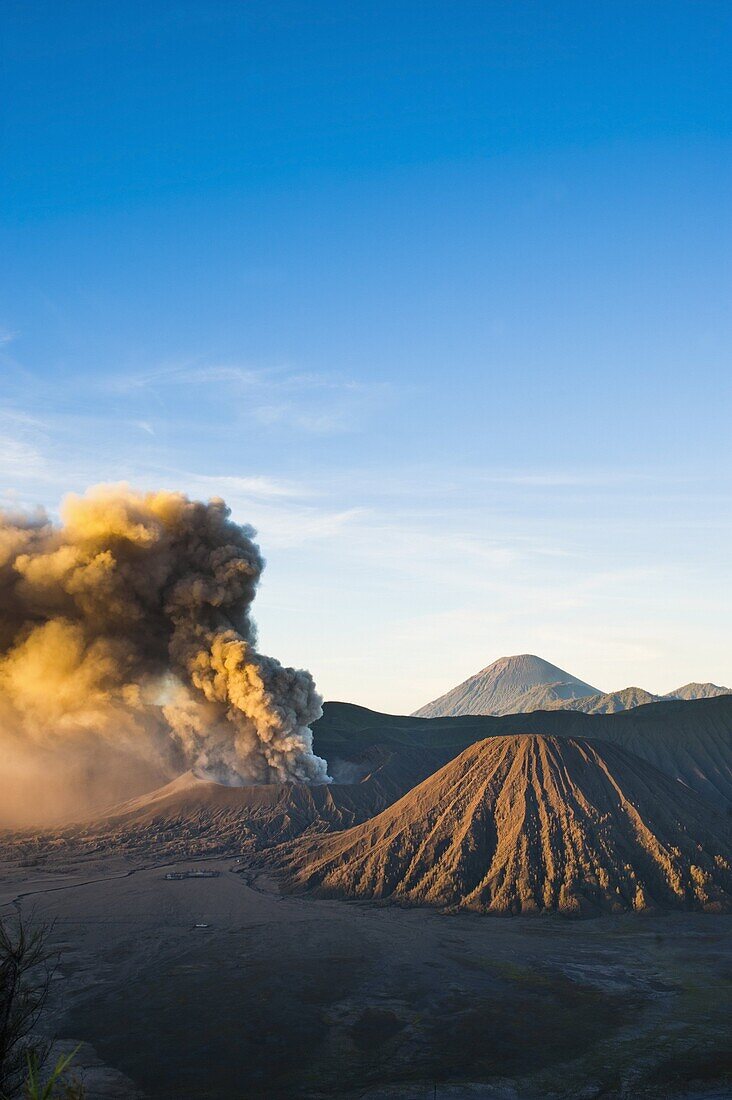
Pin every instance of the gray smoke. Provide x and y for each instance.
(128, 629)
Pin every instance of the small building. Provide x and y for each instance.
(176, 876)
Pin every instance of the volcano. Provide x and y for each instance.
(196, 815)
(525, 824)
(508, 686)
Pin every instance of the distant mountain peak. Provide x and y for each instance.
(609, 702)
(498, 687)
(631, 697)
(698, 691)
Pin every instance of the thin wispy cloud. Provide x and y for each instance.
(19, 459)
(291, 528)
(277, 397)
(277, 378)
(132, 382)
(312, 421)
(10, 415)
(262, 487)
(565, 479)
(282, 512)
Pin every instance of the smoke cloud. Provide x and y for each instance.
(127, 648)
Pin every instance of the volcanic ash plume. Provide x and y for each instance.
(125, 635)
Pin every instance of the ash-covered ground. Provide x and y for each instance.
(225, 987)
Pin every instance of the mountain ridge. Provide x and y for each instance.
(688, 740)
(525, 683)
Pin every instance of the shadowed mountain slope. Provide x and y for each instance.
(522, 824)
(689, 741)
(499, 688)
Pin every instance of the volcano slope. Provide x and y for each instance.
(508, 685)
(194, 817)
(206, 817)
(526, 824)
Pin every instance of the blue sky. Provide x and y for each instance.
(436, 295)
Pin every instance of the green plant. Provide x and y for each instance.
(54, 1087)
(27, 964)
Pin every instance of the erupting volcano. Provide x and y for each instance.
(126, 642)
